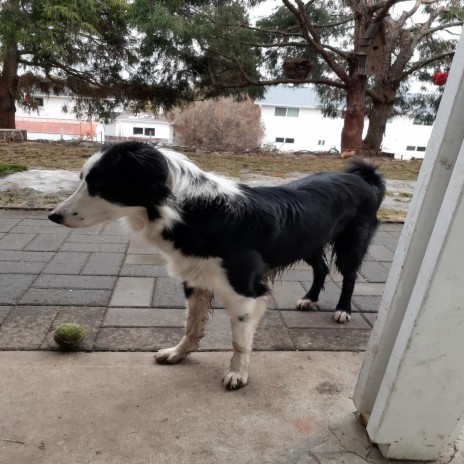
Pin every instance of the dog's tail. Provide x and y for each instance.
(369, 173)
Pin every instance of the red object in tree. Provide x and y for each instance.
(440, 78)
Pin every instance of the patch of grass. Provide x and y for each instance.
(6, 169)
(30, 198)
(391, 215)
(71, 155)
(405, 195)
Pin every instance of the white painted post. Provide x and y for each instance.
(421, 399)
(440, 158)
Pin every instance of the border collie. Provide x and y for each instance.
(223, 237)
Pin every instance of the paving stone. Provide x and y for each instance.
(367, 303)
(272, 335)
(12, 287)
(143, 270)
(169, 293)
(103, 264)
(374, 271)
(75, 281)
(39, 221)
(390, 241)
(89, 318)
(92, 230)
(369, 289)
(144, 317)
(98, 239)
(139, 247)
(7, 224)
(46, 242)
(338, 339)
(371, 317)
(379, 253)
(95, 247)
(320, 320)
(328, 298)
(21, 267)
(137, 338)
(4, 311)
(40, 229)
(2, 234)
(15, 241)
(115, 228)
(25, 327)
(66, 263)
(218, 333)
(392, 227)
(154, 260)
(66, 297)
(133, 291)
(304, 275)
(27, 256)
(286, 294)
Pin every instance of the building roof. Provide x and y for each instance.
(57, 126)
(283, 95)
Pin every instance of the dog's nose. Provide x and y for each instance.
(56, 217)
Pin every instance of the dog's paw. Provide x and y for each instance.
(341, 316)
(234, 380)
(304, 304)
(169, 356)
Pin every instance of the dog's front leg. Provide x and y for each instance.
(245, 314)
(198, 306)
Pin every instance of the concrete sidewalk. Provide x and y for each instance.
(105, 407)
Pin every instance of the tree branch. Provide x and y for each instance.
(313, 38)
(423, 63)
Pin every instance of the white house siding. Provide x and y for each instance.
(163, 129)
(52, 108)
(313, 132)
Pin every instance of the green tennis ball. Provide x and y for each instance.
(69, 335)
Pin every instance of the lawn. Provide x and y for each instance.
(71, 155)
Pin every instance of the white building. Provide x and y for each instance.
(52, 122)
(293, 122)
(142, 126)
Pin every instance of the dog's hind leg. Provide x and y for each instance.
(198, 307)
(245, 314)
(350, 248)
(320, 271)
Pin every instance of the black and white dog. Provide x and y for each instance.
(223, 237)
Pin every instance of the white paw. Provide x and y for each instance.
(306, 305)
(233, 380)
(169, 356)
(341, 316)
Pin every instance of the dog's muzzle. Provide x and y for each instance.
(56, 217)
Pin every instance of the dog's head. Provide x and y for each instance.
(115, 183)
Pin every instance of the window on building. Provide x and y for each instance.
(280, 139)
(137, 130)
(38, 102)
(321, 142)
(410, 148)
(289, 140)
(289, 112)
(293, 112)
(150, 131)
(421, 148)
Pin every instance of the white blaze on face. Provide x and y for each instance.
(82, 209)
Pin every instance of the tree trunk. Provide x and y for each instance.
(354, 117)
(377, 124)
(8, 87)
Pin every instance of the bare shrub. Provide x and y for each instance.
(222, 124)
